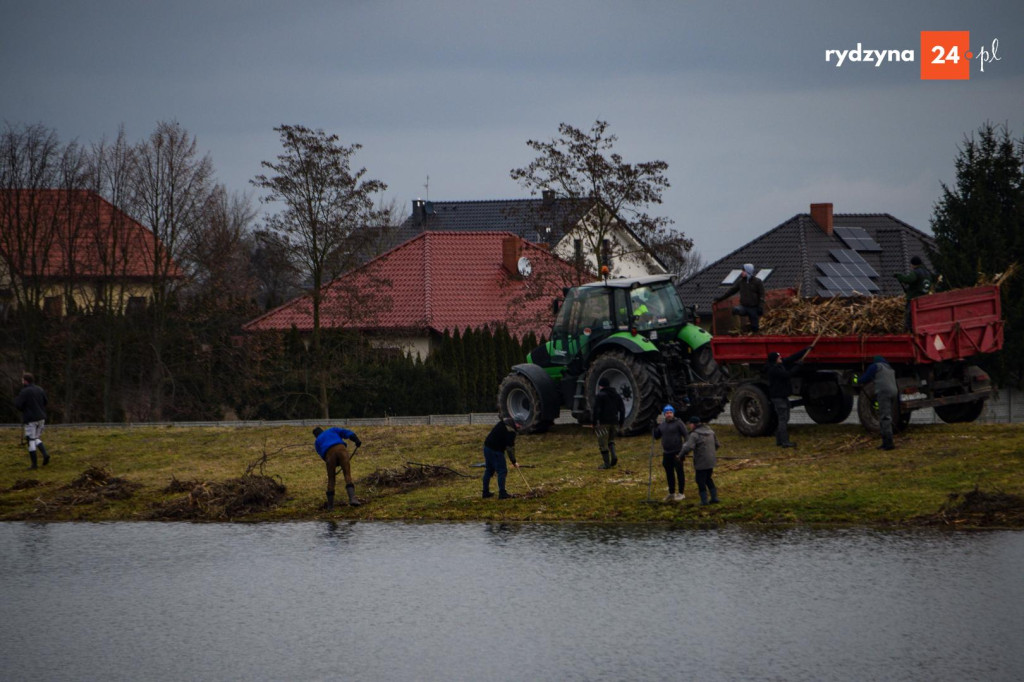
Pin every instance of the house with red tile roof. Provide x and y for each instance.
(563, 223)
(437, 281)
(59, 242)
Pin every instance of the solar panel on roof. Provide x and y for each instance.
(846, 286)
(857, 238)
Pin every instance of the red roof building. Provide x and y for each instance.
(60, 237)
(437, 282)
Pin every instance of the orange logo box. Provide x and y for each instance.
(946, 55)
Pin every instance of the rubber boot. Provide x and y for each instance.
(607, 460)
(46, 455)
(503, 495)
(703, 497)
(615, 460)
(351, 490)
(32, 456)
(330, 500)
(714, 495)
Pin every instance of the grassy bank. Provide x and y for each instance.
(836, 476)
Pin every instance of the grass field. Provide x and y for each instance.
(835, 477)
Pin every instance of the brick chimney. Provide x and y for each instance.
(510, 249)
(419, 211)
(822, 215)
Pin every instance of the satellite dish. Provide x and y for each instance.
(525, 266)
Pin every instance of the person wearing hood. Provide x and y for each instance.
(609, 415)
(499, 442)
(780, 372)
(333, 450)
(886, 392)
(751, 290)
(915, 283)
(672, 433)
(703, 443)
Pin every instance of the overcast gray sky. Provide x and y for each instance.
(736, 96)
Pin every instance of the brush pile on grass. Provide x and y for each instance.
(835, 316)
(221, 501)
(92, 485)
(412, 475)
(980, 508)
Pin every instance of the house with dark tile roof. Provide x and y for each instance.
(75, 241)
(437, 281)
(820, 254)
(551, 220)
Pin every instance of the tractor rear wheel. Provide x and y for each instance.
(518, 398)
(752, 412)
(635, 381)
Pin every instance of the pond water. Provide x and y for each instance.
(393, 601)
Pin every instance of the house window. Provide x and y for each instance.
(52, 306)
(136, 305)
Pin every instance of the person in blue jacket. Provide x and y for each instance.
(330, 445)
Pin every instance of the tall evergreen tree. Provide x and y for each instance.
(979, 227)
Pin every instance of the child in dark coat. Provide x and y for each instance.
(703, 442)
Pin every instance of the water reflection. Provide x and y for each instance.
(505, 601)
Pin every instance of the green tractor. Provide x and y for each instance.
(634, 332)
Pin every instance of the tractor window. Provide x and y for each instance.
(594, 313)
(560, 328)
(656, 306)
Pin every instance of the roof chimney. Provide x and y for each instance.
(510, 248)
(418, 211)
(822, 215)
(548, 197)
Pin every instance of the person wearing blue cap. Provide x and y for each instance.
(751, 290)
(672, 433)
(885, 394)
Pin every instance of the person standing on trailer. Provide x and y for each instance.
(886, 394)
(751, 290)
(672, 433)
(917, 282)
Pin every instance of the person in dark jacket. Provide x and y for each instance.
(917, 282)
(499, 442)
(333, 450)
(672, 433)
(31, 401)
(751, 290)
(703, 443)
(609, 415)
(780, 372)
(886, 393)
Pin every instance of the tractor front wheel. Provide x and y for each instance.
(519, 398)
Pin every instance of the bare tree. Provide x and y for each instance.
(29, 170)
(173, 185)
(325, 203)
(583, 166)
(219, 252)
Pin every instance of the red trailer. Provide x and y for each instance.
(932, 364)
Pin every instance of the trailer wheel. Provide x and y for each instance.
(518, 398)
(751, 411)
(867, 413)
(829, 409)
(959, 413)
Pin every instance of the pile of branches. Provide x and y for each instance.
(412, 475)
(220, 501)
(999, 278)
(835, 316)
(980, 508)
(92, 485)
